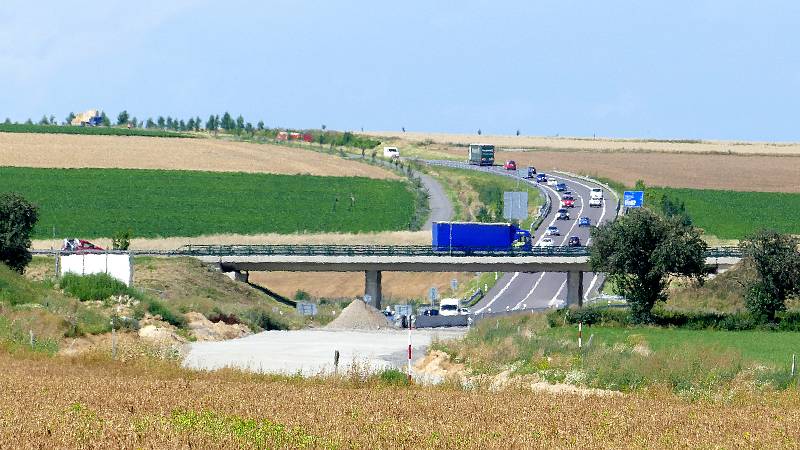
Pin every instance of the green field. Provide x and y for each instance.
(68, 129)
(91, 203)
(733, 215)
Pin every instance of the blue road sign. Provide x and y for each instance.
(633, 199)
(433, 294)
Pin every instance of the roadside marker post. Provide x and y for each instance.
(409, 352)
(794, 364)
(580, 335)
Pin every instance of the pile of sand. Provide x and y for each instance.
(359, 316)
(206, 330)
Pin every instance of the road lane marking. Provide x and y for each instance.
(535, 285)
(516, 274)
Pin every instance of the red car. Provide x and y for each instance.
(568, 203)
(510, 165)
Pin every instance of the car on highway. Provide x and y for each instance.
(546, 242)
(531, 172)
(596, 193)
(574, 241)
(464, 311)
(561, 187)
(584, 222)
(562, 214)
(595, 203)
(431, 312)
(552, 181)
(510, 165)
(541, 178)
(552, 231)
(567, 203)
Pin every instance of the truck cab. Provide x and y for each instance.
(391, 152)
(449, 306)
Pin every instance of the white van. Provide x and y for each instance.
(449, 307)
(391, 152)
(597, 193)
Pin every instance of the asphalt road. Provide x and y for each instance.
(519, 291)
(441, 208)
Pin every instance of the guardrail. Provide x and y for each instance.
(368, 250)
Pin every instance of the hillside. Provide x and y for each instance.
(207, 154)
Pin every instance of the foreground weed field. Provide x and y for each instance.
(100, 202)
(733, 215)
(96, 403)
(95, 131)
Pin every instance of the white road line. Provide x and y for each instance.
(591, 285)
(558, 291)
(516, 274)
(535, 285)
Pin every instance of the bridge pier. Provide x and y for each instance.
(574, 288)
(373, 286)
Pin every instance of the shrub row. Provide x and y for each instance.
(695, 320)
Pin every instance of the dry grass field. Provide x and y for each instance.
(602, 144)
(216, 155)
(94, 403)
(760, 167)
(395, 285)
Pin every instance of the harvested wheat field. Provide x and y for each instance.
(90, 402)
(601, 144)
(394, 285)
(172, 243)
(134, 152)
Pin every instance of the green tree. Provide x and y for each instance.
(182, 125)
(170, 122)
(161, 122)
(227, 122)
(29, 121)
(44, 121)
(249, 128)
(239, 123)
(197, 123)
(150, 123)
(640, 250)
(190, 124)
(134, 122)
(104, 120)
(17, 219)
(7, 121)
(211, 123)
(776, 261)
(122, 118)
(121, 240)
(260, 125)
(69, 118)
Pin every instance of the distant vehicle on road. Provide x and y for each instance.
(553, 231)
(79, 245)
(562, 214)
(481, 154)
(464, 311)
(568, 203)
(431, 312)
(596, 193)
(449, 306)
(574, 241)
(584, 222)
(551, 181)
(541, 178)
(596, 203)
(561, 187)
(391, 152)
(531, 172)
(546, 242)
(510, 165)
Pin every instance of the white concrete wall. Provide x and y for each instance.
(118, 265)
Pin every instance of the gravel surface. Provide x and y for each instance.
(359, 316)
(310, 352)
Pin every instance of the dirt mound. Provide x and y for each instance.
(438, 364)
(359, 316)
(206, 330)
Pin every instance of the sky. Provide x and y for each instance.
(701, 69)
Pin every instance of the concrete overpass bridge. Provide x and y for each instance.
(373, 260)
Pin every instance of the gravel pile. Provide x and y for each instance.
(359, 316)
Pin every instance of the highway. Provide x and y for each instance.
(519, 290)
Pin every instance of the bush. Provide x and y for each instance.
(788, 320)
(693, 320)
(99, 286)
(393, 377)
(589, 316)
(156, 307)
(258, 319)
(762, 304)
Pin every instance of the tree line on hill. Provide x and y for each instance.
(216, 123)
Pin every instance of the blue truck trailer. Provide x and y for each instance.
(474, 236)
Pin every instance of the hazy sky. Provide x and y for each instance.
(674, 69)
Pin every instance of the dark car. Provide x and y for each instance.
(541, 178)
(531, 172)
(431, 312)
(574, 241)
(584, 222)
(562, 214)
(561, 187)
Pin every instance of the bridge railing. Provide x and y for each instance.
(371, 250)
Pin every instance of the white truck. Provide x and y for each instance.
(449, 307)
(596, 198)
(391, 152)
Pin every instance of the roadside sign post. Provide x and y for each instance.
(454, 284)
(515, 205)
(633, 199)
(433, 294)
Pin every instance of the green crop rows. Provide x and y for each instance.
(733, 215)
(90, 203)
(66, 129)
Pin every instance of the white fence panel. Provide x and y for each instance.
(118, 265)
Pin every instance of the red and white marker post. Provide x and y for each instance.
(409, 351)
(580, 335)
